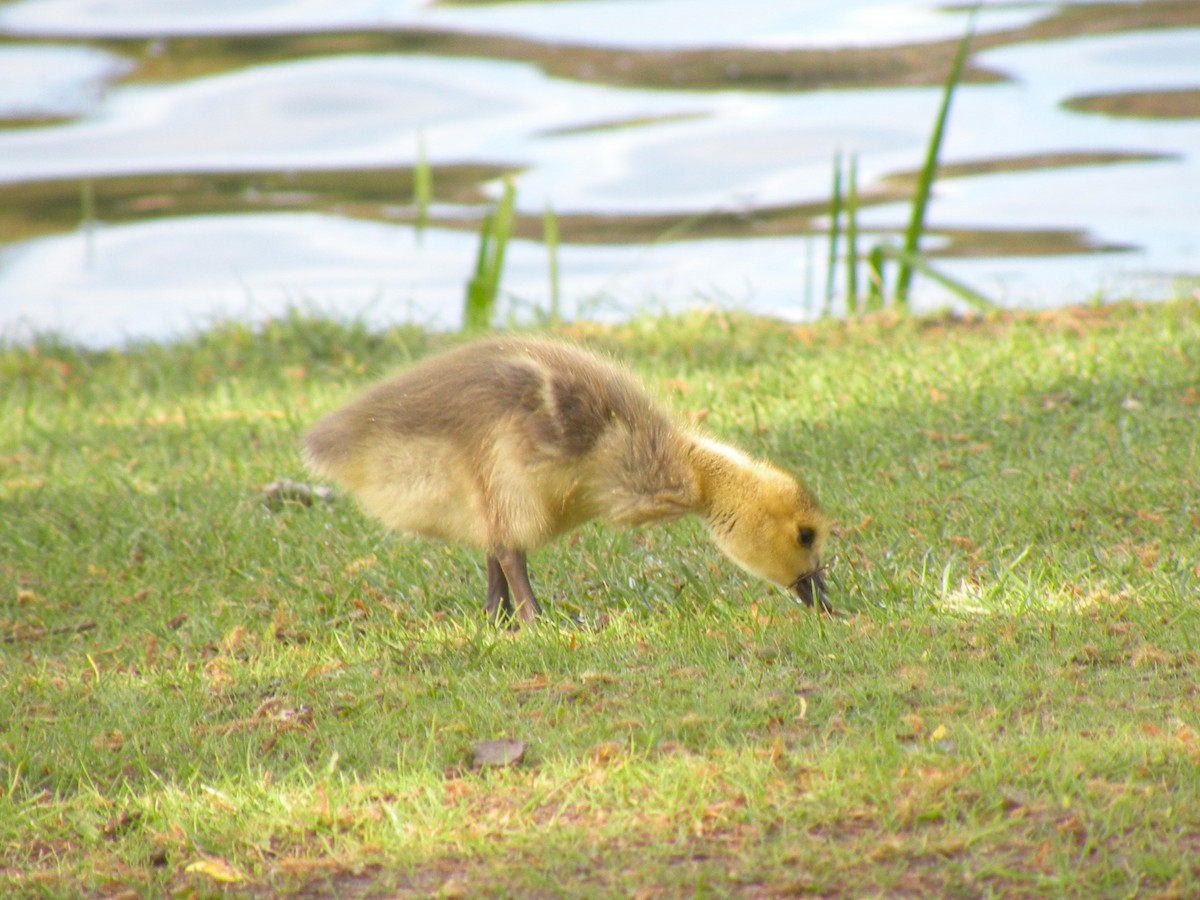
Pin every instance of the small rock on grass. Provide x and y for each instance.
(495, 754)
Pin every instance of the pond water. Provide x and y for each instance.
(1040, 204)
(618, 23)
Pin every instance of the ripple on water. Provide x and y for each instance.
(681, 154)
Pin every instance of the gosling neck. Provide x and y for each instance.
(722, 473)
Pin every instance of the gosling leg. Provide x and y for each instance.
(518, 597)
(497, 590)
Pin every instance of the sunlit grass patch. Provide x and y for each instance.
(206, 692)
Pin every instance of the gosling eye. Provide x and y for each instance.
(806, 537)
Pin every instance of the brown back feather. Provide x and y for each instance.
(564, 398)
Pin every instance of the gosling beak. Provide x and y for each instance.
(810, 589)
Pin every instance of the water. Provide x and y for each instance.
(616, 23)
(704, 151)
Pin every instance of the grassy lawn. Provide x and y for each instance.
(199, 694)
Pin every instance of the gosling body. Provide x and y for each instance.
(505, 444)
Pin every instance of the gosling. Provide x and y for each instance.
(507, 443)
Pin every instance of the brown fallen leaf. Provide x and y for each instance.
(503, 752)
(536, 683)
(216, 869)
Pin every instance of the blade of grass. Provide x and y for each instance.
(477, 311)
(852, 235)
(550, 239)
(876, 288)
(422, 188)
(924, 187)
(960, 290)
(835, 224)
(484, 284)
(500, 237)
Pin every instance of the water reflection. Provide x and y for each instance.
(679, 153)
(616, 23)
(321, 113)
(112, 287)
(56, 81)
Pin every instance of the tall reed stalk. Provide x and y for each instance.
(852, 235)
(422, 188)
(484, 285)
(550, 239)
(835, 228)
(87, 215)
(924, 187)
(956, 287)
(907, 258)
(876, 285)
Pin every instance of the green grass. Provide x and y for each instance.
(196, 688)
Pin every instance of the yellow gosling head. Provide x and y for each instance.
(765, 521)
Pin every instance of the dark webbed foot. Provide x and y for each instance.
(509, 594)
